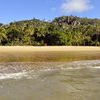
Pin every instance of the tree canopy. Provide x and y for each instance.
(65, 30)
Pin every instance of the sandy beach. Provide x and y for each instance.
(47, 48)
(48, 53)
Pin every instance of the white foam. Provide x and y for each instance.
(12, 75)
(19, 75)
(70, 68)
(97, 67)
(48, 70)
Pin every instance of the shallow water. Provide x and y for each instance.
(77, 80)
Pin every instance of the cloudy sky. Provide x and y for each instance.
(14, 10)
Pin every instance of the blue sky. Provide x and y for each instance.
(14, 10)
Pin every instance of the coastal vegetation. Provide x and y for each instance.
(65, 30)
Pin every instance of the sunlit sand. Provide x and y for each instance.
(48, 48)
(48, 53)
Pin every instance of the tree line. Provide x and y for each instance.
(64, 30)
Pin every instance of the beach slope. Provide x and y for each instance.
(48, 53)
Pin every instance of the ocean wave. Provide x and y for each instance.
(32, 69)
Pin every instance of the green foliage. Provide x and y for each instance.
(56, 38)
(65, 30)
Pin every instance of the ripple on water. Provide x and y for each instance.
(18, 70)
(78, 80)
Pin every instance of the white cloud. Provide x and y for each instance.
(76, 6)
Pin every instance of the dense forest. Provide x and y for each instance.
(65, 30)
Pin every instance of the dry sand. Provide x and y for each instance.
(47, 48)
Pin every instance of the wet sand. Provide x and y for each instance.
(48, 53)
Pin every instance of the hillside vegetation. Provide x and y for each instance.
(65, 30)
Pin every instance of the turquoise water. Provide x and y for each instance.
(77, 80)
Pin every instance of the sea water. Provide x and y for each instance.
(77, 80)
